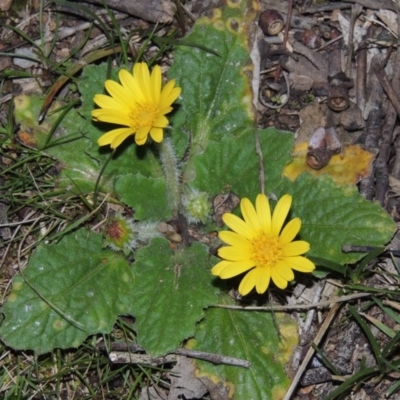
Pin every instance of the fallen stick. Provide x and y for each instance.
(161, 11)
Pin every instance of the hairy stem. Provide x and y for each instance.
(171, 173)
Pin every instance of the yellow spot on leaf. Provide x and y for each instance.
(265, 350)
(17, 286)
(59, 324)
(22, 102)
(290, 338)
(219, 25)
(349, 168)
(233, 3)
(278, 392)
(217, 381)
(217, 13)
(12, 297)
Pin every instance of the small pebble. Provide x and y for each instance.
(162, 227)
(22, 62)
(174, 237)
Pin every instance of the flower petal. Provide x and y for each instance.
(169, 94)
(290, 231)
(161, 122)
(299, 263)
(284, 271)
(234, 239)
(108, 102)
(218, 268)
(138, 102)
(111, 116)
(249, 214)
(234, 254)
(238, 225)
(119, 139)
(118, 92)
(295, 248)
(248, 282)
(280, 213)
(132, 87)
(157, 134)
(235, 268)
(141, 135)
(280, 282)
(156, 84)
(264, 277)
(165, 110)
(142, 74)
(115, 136)
(264, 213)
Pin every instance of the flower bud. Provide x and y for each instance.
(197, 207)
(119, 234)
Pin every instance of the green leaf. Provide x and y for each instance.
(78, 290)
(216, 172)
(74, 145)
(171, 289)
(216, 90)
(147, 196)
(334, 216)
(251, 336)
(232, 163)
(276, 147)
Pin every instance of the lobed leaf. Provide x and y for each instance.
(68, 291)
(333, 216)
(251, 336)
(171, 290)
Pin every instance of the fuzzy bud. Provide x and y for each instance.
(119, 234)
(197, 207)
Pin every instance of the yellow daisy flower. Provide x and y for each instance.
(259, 244)
(138, 103)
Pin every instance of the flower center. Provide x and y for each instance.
(142, 115)
(266, 250)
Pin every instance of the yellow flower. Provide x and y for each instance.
(259, 244)
(138, 103)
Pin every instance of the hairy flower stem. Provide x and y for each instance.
(171, 173)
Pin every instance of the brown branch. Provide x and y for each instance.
(371, 134)
(321, 333)
(285, 37)
(371, 4)
(213, 358)
(161, 11)
(274, 307)
(396, 162)
(393, 111)
(388, 88)
(381, 162)
(121, 353)
(371, 139)
(315, 58)
(376, 5)
(361, 83)
(355, 12)
(326, 8)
